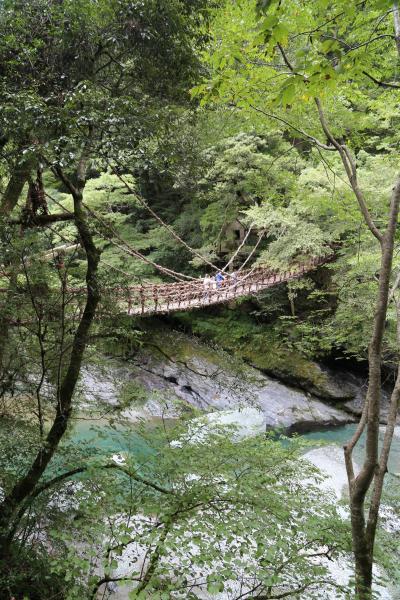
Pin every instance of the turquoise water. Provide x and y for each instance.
(341, 435)
(108, 439)
(129, 439)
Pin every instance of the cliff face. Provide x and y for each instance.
(172, 367)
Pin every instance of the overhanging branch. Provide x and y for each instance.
(380, 83)
(42, 220)
(351, 171)
(303, 133)
(115, 466)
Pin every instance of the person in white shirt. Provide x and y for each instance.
(207, 283)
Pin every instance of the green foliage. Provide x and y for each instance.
(246, 58)
(25, 438)
(190, 526)
(388, 534)
(91, 73)
(28, 576)
(132, 394)
(244, 169)
(112, 79)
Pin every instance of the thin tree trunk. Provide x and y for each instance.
(363, 533)
(384, 454)
(292, 305)
(396, 19)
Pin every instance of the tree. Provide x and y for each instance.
(78, 83)
(290, 63)
(203, 511)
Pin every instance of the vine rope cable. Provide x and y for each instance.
(260, 237)
(130, 250)
(126, 247)
(163, 224)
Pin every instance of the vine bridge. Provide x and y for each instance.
(148, 299)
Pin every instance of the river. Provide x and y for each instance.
(248, 398)
(325, 453)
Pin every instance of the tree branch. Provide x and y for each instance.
(300, 131)
(348, 448)
(351, 171)
(298, 590)
(42, 220)
(380, 83)
(108, 579)
(57, 170)
(286, 60)
(67, 474)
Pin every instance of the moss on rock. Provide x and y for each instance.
(259, 346)
(191, 351)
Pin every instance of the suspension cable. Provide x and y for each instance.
(165, 225)
(130, 250)
(238, 248)
(260, 237)
(127, 248)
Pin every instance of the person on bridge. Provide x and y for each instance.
(207, 283)
(219, 278)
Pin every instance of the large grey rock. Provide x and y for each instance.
(208, 380)
(204, 385)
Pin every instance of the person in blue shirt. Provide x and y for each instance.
(219, 278)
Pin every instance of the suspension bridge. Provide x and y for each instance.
(146, 300)
(187, 293)
(150, 299)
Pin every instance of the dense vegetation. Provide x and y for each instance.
(139, 141)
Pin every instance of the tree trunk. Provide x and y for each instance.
(9, 200)
(374, 466)
(362, 552)
(27, 483)
(363, 536)
(14, 187)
